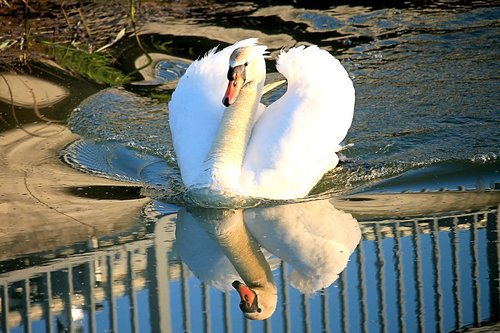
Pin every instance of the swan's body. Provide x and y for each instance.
(246, 149)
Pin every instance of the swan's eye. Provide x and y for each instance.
(246, 64)
(230, 74)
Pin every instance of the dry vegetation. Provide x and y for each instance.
(27, 26)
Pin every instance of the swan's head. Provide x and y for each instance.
(246, 65)
(258, 302)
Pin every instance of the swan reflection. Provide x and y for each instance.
(223, 247)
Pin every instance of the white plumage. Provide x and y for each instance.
(292, 143)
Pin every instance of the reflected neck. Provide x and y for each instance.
(242, 250)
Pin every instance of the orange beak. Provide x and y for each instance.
(232, 91)
(236, 77)
(248, 297)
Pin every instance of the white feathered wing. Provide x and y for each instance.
(294, 141)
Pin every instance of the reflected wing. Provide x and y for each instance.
(196, 109)
(294, 141)
(313, 237)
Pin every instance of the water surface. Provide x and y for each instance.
(96, 236)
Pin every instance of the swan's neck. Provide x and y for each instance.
(222, 167)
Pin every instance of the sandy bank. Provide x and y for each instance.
(38, 204)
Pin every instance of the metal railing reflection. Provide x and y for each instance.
(432, 274)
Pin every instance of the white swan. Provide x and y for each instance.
(246, 149)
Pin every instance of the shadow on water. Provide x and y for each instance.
(94, 235)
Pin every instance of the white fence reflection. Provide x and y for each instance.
(432, 274)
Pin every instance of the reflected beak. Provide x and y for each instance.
(249, 301)
(236, 77)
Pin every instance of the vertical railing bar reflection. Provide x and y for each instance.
(362, 283)
(398, 269)
(306, 326)
(110, 294)
(493, 249)
(325, 313)
(436, 261)
(90, 267)
(381, 279)
(456, 273)
(475, 273)
(134, 320)
(26, 306)
(158, 285)
(419, 276)
(48, 302)
(205, 307)
(153, 271)
(69, 299)
(226, 302)
(5, 308)
(247, 325)
(344, 302)
(286, 298)
(185, 298)
(267, 325)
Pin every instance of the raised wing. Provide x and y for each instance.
(294, 142)
(196, 109)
